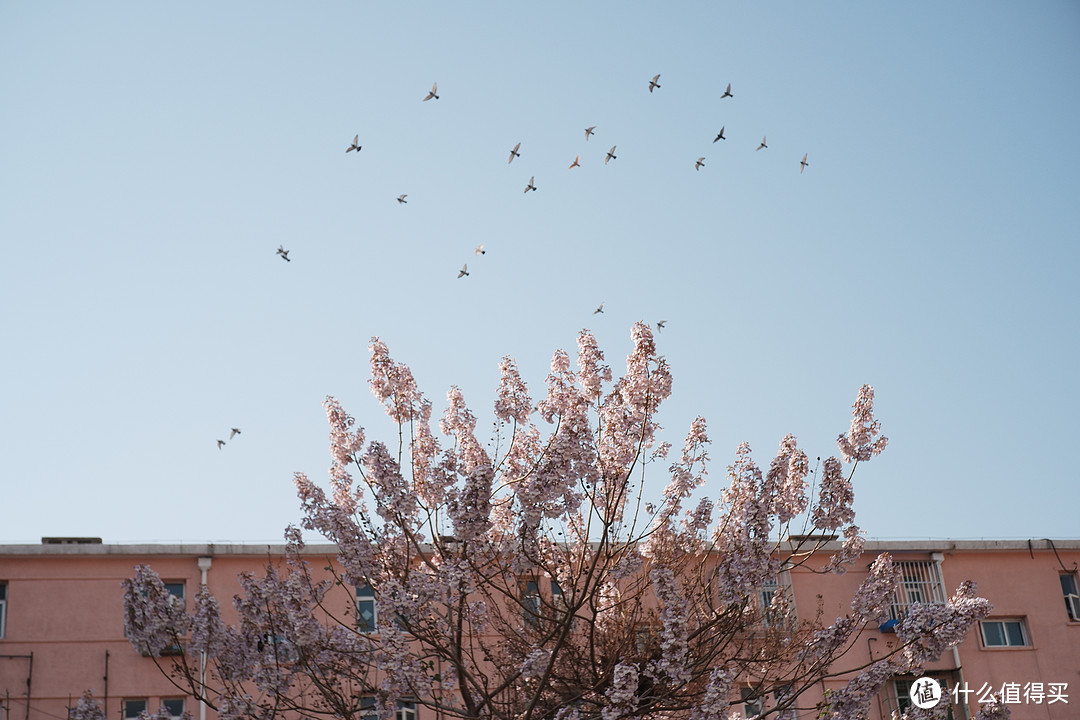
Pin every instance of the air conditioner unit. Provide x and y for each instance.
(1073, 603)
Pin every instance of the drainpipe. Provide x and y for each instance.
(204, 568)
(938, 559)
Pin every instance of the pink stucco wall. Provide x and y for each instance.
(64, 608)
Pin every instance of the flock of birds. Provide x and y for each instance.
(433, 94)
(233, 432)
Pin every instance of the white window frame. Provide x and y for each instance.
(126, 714)
(183, 706)
(920, 582)
(365, 599)
(768, 590)
(1069, 588)
(1019, 622)
(750, 707)
(406, 710)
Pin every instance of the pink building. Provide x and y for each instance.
(62, 632)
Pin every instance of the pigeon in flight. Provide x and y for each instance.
(576, 163)
(283, 253)
(401, 199)
(720, 135)
(762, 145)
(660, 325)
(463, 272)
(480, 250)
(803, 164)
(727, 93)
(355, 144)
(599, 309)
(514, 153)
(530, 186)
(653, 84)
(589, 131)
(220, 444)
(234, 432)
(610, 155)
(433, 93)
(700, 163)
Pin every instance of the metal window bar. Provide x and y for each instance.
(920, 582)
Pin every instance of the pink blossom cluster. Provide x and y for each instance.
(87, 708)
(715, 701)
(873, 599)
(928, 629)
(862, 441)
(393, 384)
(742, 535)
(673, 663)
(835, 497)
(622, 693)
(154, 620)
(786, 480)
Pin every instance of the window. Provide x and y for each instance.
(530, 602)
(368, 710)
(780, 695)
(173, 706)
(132, 708)
(3, 607)
(559, 601)
(1068, 588)
(901, 687)
(920, 582)
(366, 618)
(751, 702)
(1003, 633)
(772, 587)
(176, 590)
(406, 710)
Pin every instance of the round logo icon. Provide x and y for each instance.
(925, 693)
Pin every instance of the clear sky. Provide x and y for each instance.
(153, 156)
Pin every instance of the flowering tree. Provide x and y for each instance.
(534, 578)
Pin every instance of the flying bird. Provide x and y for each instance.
(660, 325)
(762, 145)
(480, 250)
(727, 93)
(700, 163)
(220, 444)
(803, 164)
(720, 135)
(599, 309)
(401, 199)
(433, 93)
(234, 432)
(589, 131)
(610, 155)
(653, 84)
(283, 253)
(514, 153)
(355, 144)
(530, 186)
(463, 272)
(576, 163)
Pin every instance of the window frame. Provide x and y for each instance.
(1008, 644)
(183, 706)
(1071, 596)
(132, 716)
(531, 602)
(3, 608)
(363, 601)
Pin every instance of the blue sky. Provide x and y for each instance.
(154, 156)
